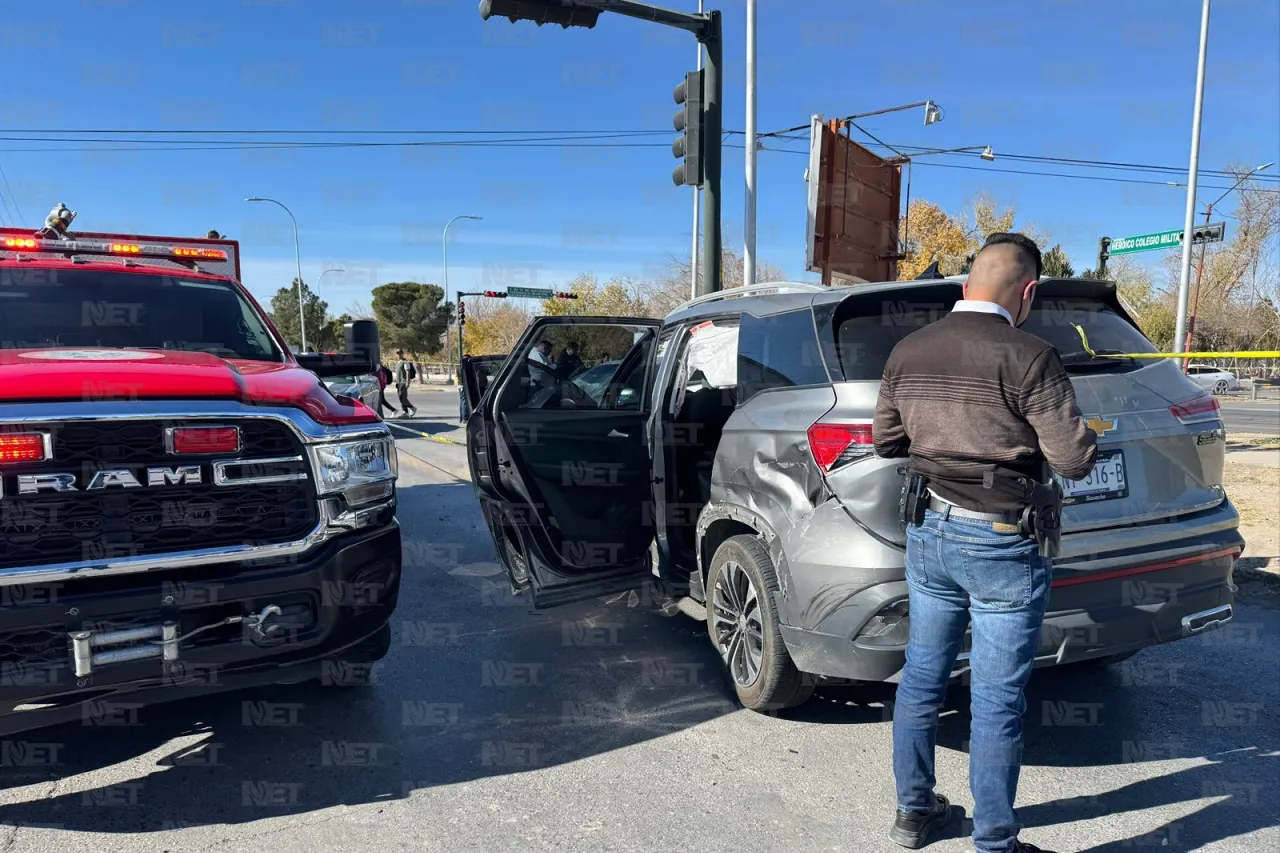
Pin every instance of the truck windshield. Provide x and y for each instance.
(42, 308)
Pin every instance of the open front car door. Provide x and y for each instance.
(560, 459)
(477, 372)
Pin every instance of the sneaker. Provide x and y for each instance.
(1023, 847)
(914, 830)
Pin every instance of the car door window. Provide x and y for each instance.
(582, 367)
(780, 351)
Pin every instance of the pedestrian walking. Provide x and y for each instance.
(405, 372)
(384, 379)
(979, 407)
(462, 398)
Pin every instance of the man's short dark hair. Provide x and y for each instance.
(571, 345)
(1023, 242)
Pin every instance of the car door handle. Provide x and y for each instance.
(616, 433)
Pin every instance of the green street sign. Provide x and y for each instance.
(530, 292)
(1212, 233)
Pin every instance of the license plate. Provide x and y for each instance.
(1105, 482)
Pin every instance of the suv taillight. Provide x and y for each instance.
(834, 445)
(1198, 410)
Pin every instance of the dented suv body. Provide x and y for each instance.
(184, 507)
(743, 471)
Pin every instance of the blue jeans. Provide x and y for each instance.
(963, 572)
(462, 403)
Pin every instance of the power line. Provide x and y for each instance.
(578, 141)
(1023, 171)
(577, 134)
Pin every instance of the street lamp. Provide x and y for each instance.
(987, 154)
(1204, 245)
(444, 246)
(297, 256)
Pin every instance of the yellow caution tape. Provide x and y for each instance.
(1084, 341)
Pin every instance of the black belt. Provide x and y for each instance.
(947, 509)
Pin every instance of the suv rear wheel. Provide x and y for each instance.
(743, 625)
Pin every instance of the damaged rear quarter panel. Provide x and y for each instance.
(764, 469)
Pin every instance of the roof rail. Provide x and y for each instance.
(755, 290)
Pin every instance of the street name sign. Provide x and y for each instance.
(530, 292)
(1212, 233)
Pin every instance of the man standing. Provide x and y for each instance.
(975, 403)
(404, 375)
(569, 362)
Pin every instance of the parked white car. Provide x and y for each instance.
(1213, 379)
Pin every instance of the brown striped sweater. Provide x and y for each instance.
(971, 393)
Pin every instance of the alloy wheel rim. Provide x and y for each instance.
(737, 623)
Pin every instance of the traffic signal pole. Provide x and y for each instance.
(707, 27)
(713, 81)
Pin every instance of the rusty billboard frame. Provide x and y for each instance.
(854, 205)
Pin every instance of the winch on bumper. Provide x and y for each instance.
(141, 639)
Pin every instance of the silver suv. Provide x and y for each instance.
(730, 454)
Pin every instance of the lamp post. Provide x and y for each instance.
(1208, 212)
(987, 154)
(297, 256)
(444, 247)
(1193, 175)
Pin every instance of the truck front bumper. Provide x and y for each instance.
(84, 648)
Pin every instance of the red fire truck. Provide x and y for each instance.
(185, 508)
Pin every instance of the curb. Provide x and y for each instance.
(428, 436)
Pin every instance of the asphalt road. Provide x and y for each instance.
(1248, 416)
(605, 726)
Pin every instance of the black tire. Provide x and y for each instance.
(1222, 387)
(355, 666)
(777, 684)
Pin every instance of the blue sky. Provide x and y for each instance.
(1062, 78)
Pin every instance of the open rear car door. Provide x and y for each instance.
(562, 468)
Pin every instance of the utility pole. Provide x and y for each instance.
(749, 238)
(1189, 223)
(1104, 252)
(1204, 246)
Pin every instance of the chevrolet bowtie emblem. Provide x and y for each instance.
(1100, 426)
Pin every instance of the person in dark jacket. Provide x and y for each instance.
(969, 399)
(569, 361)
(384, 379)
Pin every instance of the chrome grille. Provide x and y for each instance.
(114, 523)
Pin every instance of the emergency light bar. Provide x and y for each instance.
(102, 247)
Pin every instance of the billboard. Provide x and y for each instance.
(854, 203)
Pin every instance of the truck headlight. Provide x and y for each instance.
(362, 471)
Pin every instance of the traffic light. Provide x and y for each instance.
(1211, 233)
(689, 121)
(563, 295)
(462, 313)
(541, 12)
(496, 294)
